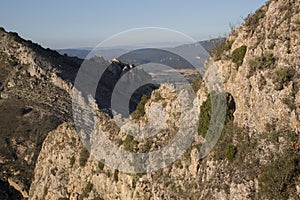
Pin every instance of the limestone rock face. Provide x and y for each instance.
(271, 38)
(31, 105)
(35, 97)
(256, 157)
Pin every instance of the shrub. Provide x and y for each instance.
(72, 161)
(206, 112)
(157, 96)
(238, 55)
(282, 77)
(130, 143)
(219, 49)
(86, 191)
(253, 19)
(84, 156)
(277, 176)
(116, 175)
(140, 109)
(262, 62)
(100, 165)
(298, 22)
(63, 198)
(53, 171)
(204, 117)
(231, 151)
(196, 83)
(290, 102)
(133, 183)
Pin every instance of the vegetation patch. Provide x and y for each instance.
(72, 161)
(282, 77)
(116, 175)
(277, 177)
(86, 191)
(262, 62)
(140, 109)
(231, 151)
(129, 143)
(196, 83)
(157, 96)
(224, 151)
(290, 102)
(84, 156)
(204, 117)
(206, 112)
(219, 49)
(53, 171)
(238, 55)
(101, 165)
(252, 20)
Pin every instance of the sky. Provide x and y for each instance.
(77, 23)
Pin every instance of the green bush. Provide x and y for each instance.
(238, 55)
(84, 156)
(277, 176)
(101, 165)
(116, 175)
(282, 77)
(231, 151)
(140, 109)
(204, 117)
(206, 112)
(196, 83)
(130, 143)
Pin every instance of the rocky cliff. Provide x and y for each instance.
(33, 102)
(257, 155)
(35, 97)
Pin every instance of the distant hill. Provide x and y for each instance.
(109, 54)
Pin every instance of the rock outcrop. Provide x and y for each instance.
(35, 97)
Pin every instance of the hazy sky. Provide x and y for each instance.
(79, 23)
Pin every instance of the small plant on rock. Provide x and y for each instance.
(238, 55)
(140, 109)
(84, 156)
(231, 151)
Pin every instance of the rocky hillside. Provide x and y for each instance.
(257, 155)
(35, 98)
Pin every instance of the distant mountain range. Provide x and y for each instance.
(109, 53)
